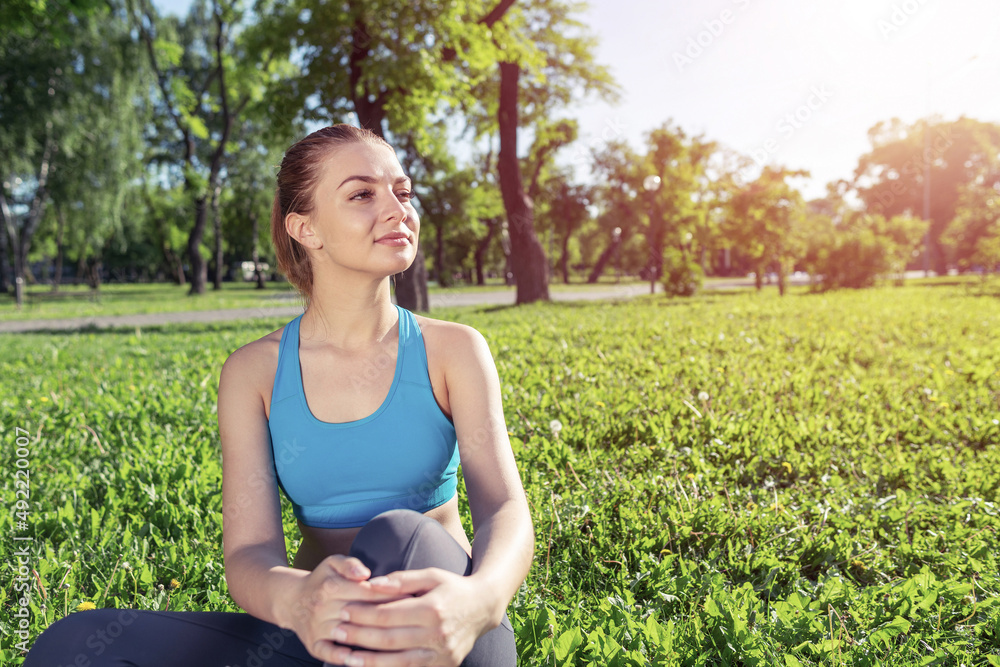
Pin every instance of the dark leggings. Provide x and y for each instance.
(395, 540)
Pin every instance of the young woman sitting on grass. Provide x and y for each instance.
(360, 412)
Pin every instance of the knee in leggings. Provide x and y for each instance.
(83, 633)
(396, 525)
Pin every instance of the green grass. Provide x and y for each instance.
(124, 299)
(735, 479)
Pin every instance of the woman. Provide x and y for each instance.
(360, 412)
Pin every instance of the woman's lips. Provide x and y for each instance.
(394, 240)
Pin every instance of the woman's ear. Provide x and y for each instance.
(300, 228)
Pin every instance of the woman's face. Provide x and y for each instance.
(362, 215)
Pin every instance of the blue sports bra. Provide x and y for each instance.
(340, 475)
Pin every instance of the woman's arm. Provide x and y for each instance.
(451, 612)
(503, 541)
(257, 572)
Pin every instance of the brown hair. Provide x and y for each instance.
(298, 175)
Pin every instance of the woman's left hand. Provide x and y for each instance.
(438, 626)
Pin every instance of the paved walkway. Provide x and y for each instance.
(438, 300)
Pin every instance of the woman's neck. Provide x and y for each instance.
(351, 318)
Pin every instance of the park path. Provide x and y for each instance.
(438, 300)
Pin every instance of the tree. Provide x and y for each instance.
(972, 239)
(863, 248)
(209, 67)
(69, 124)
(926, 165)
(552, 47)
(616, 169)
(766, 223)
(395, 68)
(564, 213)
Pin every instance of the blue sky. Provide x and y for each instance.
(791, 82)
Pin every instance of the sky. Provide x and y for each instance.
(796, 83)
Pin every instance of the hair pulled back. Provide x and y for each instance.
(299, 173)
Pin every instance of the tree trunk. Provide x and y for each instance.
(95, 274)
(57, 269)
(22, 238)
(527, 257)
(440, 270)
(199, 269)
(602, 261)
(411, 285)
(257, 273)
(481, 249)
(217, 227)
(564, 260)
(6, 242)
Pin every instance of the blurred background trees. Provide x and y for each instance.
(142, 147)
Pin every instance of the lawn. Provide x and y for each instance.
(129, 298)
(734, 479)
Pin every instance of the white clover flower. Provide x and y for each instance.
(555, 426)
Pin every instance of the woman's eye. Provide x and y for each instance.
(364, 194)
(406, 195)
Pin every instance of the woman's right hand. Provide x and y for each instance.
(321, 596)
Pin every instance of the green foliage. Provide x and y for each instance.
(682, 276)
(766, 223)
(865, 248)
(955, 155)
(735, 479)
(972, 240)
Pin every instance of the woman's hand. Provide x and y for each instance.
(321, 598)
(437, 621)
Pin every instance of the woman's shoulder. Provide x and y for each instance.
(451, 341)
(255, 362)
(448, 333)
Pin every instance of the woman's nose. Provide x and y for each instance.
(395, 210)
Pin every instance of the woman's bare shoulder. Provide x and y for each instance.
(450, 336)
(255, 363)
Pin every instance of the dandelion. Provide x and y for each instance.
(86, 605)
(858, 565)
(555, 426)
(600, 404)
(752, 506)
(174, 584)
(702, 396)
(43, 399)
(690, 476)
(787, 466)
(127, 566)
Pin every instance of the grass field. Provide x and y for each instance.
(122, 299)
(735, 479)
